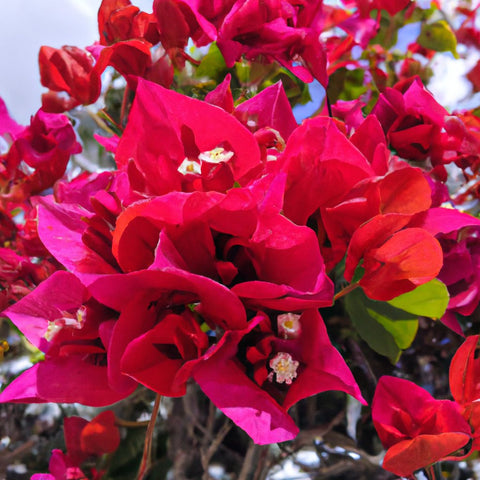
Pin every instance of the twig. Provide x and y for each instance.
(208, 454)
(250, 465)
(146, 462)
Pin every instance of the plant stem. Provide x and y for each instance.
(434, 471)
(123, 109)
(146, 462)
(344, 291)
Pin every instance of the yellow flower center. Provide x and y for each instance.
(284, 367)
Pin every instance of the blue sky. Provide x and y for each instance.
(26, 25)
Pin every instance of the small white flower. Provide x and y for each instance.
(189, 167)
(217, 155)
(284, 367)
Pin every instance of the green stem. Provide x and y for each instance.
(146, 462)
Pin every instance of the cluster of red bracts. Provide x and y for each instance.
(418, 430)
(83, 440)
(199, 243)
(205, 256)
(152, 45)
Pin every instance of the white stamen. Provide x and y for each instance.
(284, 367)
(68, 320)
(289, 325)
(217, 155)
(189, 167)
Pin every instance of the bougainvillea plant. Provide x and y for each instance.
(269, 277)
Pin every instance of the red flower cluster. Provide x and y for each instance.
(205, 256)
(32, 159)
(418, 430)
(83, 439)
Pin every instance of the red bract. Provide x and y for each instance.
(44, 146)
(85, 439)
(404, 191)
(465, 384)
(130, 57)
(120, 20)
(78, 73)
(276, 30)
(395, 259)
(202, 147)
(239, 238)
(457, 234)
(156, 340)
(465, 373)
(62, 227)
(322, 166)
(297, 363)
(412, 121)
(61, 468)
(9, 128)
(74, 332)
(416, 429)
(178, 21)
(269, 109)
(163, 357)
(71, 70)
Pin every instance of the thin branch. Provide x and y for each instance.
(146, 462)
(344, 291)
(208, 454)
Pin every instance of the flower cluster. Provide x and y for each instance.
(208, 253)
(84, 439)
(418, 430)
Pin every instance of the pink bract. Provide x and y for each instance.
(261, 408)
(416, 429)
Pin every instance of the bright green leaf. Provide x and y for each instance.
(438, 36)
(212, 65)
(428, 300)
(386, 329)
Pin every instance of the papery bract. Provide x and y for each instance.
(464, 377)
(61, 468)
(458, 237)
(412, 122)
(395, 259)
(69, 69)
(276, 30)
(190, 131)
(239, 238)
(403, 191)
(85, 438)
(74, 334)
(120, 20)
(159, 296)
(45, 146)
(321, 166)
(259, 405)
(416, 429)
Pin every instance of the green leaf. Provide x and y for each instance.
(346, 84)
(242, 69)
(438, 36)
(428, 300)
(212, 65)
(386, 329)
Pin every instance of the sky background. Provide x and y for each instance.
(26, 25)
